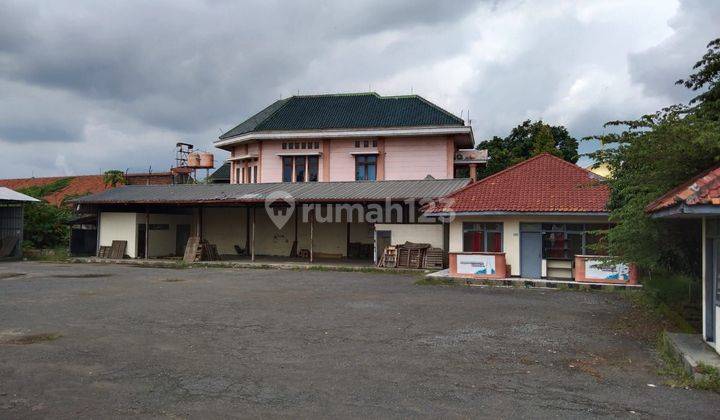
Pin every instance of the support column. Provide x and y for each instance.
(312, 224)
(97, 233)
(473, 171)
(252, 237)
(147, 233)
(247, 230)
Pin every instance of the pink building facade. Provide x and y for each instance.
(359, 137)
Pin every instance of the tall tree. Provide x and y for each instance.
(526, 140)
(654, 154)
(114, 177)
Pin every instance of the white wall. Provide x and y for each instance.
(419, 233)
(119, 227)
(225, 227)
(162, 242)
(511, 232)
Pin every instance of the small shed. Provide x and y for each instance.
(11, 222)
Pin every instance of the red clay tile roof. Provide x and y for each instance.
(544, 183)
(79, 185)
(702, 189)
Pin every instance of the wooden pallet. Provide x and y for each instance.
(8, 245)
(434, 258)
(193, 251)
(117, 250)
(104, 252)
(389, 257)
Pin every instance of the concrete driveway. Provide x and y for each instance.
(107, 340)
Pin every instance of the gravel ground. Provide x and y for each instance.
(206, 343)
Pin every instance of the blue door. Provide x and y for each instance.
(530, 254)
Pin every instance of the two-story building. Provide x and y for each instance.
(368, 161)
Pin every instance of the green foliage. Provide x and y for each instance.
(526, 140)
(648, 158)
(114, 177)
(41, 191)
(45, 226)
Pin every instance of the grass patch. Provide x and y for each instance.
(24, 340)
(59, 254)
(436, 281)
(673, 368)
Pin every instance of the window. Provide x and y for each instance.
(284, 146)
(299, 168)
(242, 175)
(482, 237)
(303, 145)
(366, 143)
(255, 169)
(291, 145)
(357, 143)
(365, 167)
(313, 168)
(374, 143)
(565, 240)
(317, 144)
(237, 176)
(287, 168)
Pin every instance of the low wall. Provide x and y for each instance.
(590, 269)
(480, 265)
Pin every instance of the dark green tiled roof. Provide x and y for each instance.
(222, 174)
(346, 111)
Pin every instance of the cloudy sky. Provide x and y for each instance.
(87, 86)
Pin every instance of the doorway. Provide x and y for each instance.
(712, 278)
(182, 234)
(531, 255)
(383, 239)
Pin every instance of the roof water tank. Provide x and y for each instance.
(206, 160)
(193, 160)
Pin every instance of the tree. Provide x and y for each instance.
(114, 177)
(45, 225)
(526, 140)
(649, 157)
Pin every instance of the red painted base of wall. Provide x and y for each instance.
(500, 266)
(581, 278)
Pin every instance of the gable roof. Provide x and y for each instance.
(77, 186)
(221, 174)
(541, 184)
(345, 191)
(345, 111)
(699, 190)
(6, 194)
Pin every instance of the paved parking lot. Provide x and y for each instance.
(108, 340)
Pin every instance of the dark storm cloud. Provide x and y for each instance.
(657, 69)
(116, 83)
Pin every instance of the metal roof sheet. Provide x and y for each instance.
(355, 191)
(6, 194)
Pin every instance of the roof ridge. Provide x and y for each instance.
(655, 204)
(443, 110)
(319, 95)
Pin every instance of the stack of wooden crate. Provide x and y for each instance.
(412, 255)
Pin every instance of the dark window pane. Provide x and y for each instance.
(357, 143)
(370, 170)
(299, 168)
(284, 145)
(575, 227)
(574, 244)
(374, 143)
(554, 245)
(313, 168)
(494, 243)
(255, 169)
(287, 168)
(366, 143)
(317, 144)
(473, 241)
(493, 226)
(371, 158)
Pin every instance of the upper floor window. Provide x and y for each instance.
(482, 237)
(365, 167)
(300, 168)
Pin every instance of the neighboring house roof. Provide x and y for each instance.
(222, 174)
(351, 191)
(346, 111)
(700, 191)
(541, 184)
(77, 186)
(6, 194)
